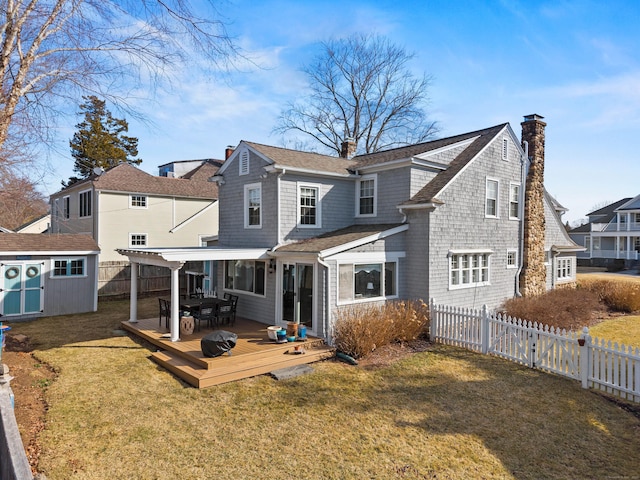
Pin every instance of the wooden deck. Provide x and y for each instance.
(254, 353)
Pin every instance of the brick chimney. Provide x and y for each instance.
(533, 277)
(348, 147)
(228, 151)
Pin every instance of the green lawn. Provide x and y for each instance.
(446, 413)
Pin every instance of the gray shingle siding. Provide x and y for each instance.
(460, 224)
(232, 232)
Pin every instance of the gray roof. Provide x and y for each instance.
(304, 160)
(127, 178)
(435, 186)
(335, 238)
(44, 242)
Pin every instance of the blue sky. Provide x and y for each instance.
(577, 63)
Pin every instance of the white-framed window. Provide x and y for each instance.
(512, 258)
(505, 148)
(491, 196)
(596, 243)
(243, 165)
(468, 269)
(137, 201)
(587, 242)
(245, 276)
(65, 207)
(564, 268)
(84, 204)
(253, 206)
(636, 243)
(56, 208)
(68, 267)
(514, 201)
(366, 196)
(367, 281)
(137, 240)
(309, 205)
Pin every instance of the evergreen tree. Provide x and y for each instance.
(100, 140)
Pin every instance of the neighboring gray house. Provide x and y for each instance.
(303, 235)
(612, 235)
(46, 275)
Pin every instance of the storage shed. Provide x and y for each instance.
(46, 275)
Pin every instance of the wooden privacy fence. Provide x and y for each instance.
(595, 362)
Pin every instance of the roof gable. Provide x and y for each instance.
(430, 191)
(632, 204)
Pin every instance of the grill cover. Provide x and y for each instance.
(218, 342)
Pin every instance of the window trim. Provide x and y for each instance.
(68, 266)
(513, 251)
(470, 269)
(374, 178)
(86, 194)
(318, 206)
(360, 258)
(518, 203)
(246, 292)
(486, 198)
(565, 264)
(138, 245)
(247, 189)
(66, 207)
(133, 196)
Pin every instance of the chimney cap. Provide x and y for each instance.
(533, 117)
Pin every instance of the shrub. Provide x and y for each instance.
(618, 295)
(360, 329)
(563, 308)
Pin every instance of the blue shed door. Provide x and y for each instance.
(21, 288)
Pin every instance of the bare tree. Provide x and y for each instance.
(361, 88)
(55, 51)
(20, 202)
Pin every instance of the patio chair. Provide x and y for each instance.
(205, 314)
(165, 311)
(224, 313)
(234, 305)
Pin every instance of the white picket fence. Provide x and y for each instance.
(596, 363)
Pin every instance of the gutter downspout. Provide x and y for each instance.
(523, 180)
(327, 314)
(280, 175)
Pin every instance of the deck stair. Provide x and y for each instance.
(254, 354)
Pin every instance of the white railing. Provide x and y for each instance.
(622, 254)
(597, 364)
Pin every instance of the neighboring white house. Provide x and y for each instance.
(37, 225)
(125, 207)
(611, 236)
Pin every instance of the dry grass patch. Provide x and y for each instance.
(621, 330)
(444, 413)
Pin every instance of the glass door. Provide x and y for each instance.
(297, 293)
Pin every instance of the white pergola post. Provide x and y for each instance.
(175, 303)
(133, 303)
